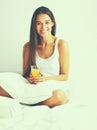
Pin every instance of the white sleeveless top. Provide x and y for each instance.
(49, 66)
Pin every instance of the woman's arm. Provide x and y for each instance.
(63, 60)
(25, 57)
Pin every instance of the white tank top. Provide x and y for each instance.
(49, 66)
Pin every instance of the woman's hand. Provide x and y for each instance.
(35, 80)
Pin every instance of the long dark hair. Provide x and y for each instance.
(35, 38)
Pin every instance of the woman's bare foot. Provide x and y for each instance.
(59, 97)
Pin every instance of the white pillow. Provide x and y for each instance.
(19, 88)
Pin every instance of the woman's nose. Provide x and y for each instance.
(43, 26)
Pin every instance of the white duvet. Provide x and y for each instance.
(71, 116)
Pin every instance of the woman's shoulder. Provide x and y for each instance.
(63, 47)
(26, 45)
(62, 43)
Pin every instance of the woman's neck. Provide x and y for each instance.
(47, 40)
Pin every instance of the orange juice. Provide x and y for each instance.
(34, 71)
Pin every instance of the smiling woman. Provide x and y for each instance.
(50, 54)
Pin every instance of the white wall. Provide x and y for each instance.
(76, 23)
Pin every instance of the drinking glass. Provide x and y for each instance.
(34, 71)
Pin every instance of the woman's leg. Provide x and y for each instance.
(59, 97)
(4, 93)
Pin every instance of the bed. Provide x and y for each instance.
(71, 116)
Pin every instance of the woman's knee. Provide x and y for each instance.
(61, 96)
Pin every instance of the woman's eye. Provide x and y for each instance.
(38, 23)
(47, 22)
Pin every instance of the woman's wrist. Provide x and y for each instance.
(48, 78)
(58, 77)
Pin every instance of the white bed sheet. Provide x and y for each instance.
(71, 116)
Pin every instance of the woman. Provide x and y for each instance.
(49, 53)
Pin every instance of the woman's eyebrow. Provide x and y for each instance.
(45, 20)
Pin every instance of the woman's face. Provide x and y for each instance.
(44, 25)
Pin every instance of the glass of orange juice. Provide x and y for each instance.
(35, 71)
